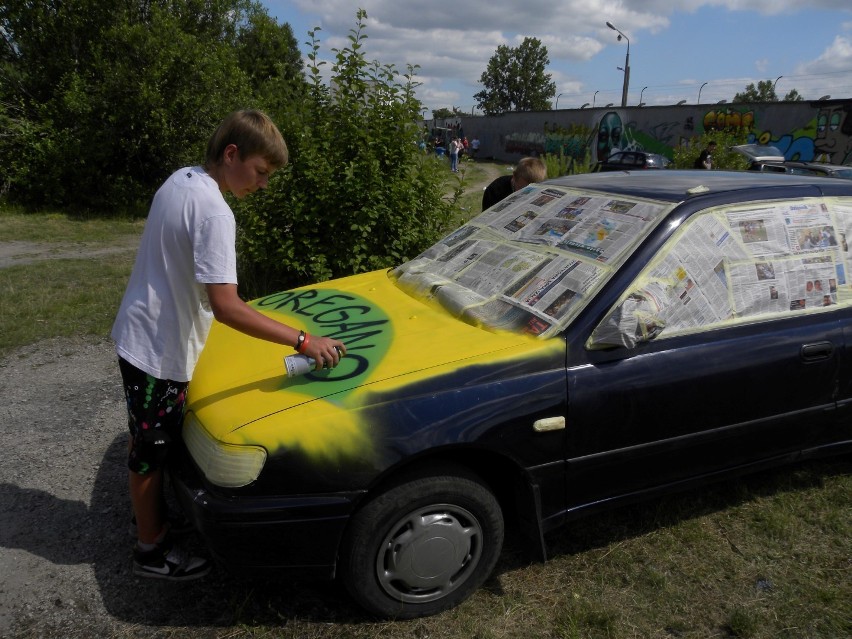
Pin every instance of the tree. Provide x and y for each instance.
(358, 194)
(269, 53)
(443, 113)
(102, 99)
(764, 92)
(515, 79)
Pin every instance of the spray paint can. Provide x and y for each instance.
(300, 364)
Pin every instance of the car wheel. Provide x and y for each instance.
(422, 546)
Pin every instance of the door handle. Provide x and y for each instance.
(816, 352)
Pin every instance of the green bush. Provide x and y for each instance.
(358, 195)
(723, 158)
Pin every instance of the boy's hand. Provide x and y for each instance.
(324, 350)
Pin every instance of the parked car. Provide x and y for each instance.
(768, 159)
(632, 160)
(587, 342)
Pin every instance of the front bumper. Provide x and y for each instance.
(295, 536)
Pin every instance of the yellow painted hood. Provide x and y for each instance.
(392, 340)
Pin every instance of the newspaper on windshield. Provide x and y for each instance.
(527, 263)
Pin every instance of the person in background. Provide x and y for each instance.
(527, 171)
(474, 147)
(705, 160)
(185, 275)
(455, 149)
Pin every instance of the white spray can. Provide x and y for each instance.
(300, 364)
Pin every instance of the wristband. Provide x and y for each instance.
(300, 341)
(305, 342)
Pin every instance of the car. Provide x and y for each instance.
(587, 342)
(805, 168)
(630, 160)
(769, 159)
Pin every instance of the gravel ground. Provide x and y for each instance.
(62, 495)
(65, 552)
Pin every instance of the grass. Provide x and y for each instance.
(473, 177)
(767, 557)
(63, 297)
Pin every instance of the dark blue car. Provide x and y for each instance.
(587, 342)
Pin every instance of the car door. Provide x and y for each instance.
(718, 394)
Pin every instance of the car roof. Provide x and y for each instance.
(679, 185)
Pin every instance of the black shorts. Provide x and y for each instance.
(155, 416)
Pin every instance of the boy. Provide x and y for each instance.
(527, 171)
(186, 268)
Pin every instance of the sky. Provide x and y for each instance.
(675, 46)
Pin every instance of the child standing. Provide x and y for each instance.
(184, 276)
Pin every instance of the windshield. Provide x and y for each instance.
(529, 263)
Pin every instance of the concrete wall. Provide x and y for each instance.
(817, 131)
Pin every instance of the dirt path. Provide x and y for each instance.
(16, 253)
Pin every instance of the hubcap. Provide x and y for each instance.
(429, 553)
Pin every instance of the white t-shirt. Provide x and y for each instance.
(189, 241)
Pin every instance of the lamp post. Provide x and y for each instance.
(593, 98)
(699, 93)
(640, 94)
(626, 64)
(557, 101)
(776, 82)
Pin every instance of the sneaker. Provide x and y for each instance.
(169, 561)
(178, 525)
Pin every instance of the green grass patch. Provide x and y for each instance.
(61, 298)
(60, 227)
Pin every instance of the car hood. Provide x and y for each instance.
(393, 340)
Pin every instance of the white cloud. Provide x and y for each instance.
(452, 41)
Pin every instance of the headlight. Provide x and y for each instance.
(225, 465)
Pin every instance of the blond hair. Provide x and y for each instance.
(253, 133)
(530, 170)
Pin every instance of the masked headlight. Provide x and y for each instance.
(225, 465)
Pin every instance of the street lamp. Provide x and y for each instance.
(585, 104)
(776, 82)
(593, 98)
(640, 95)
(626, 64)
(557, 101)
(699, 93)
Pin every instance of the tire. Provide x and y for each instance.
(422, 546)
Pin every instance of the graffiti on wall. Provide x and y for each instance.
(825, 135)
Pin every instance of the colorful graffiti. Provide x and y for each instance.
(833, 139)
(823, 132)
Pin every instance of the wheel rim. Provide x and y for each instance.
(429, 553)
